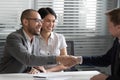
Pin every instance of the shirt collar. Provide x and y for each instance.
(26, 35)
(51, 36)
(119, 41)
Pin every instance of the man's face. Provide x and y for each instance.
(113, 29)
(34, 24)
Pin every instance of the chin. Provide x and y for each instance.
(49, 30)
(37, 33)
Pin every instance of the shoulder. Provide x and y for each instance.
(16, 34)
(58, 34)
(59, 37)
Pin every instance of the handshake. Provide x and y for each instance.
(68, 61)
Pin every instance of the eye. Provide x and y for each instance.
(38, 20)
(35, 19)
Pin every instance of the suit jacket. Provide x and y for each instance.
(16, 56)
(112, 57)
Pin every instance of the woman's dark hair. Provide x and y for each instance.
(45, 11)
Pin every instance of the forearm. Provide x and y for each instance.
(96, 61)
(56, 68)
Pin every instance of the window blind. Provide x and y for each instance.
(82, 21)
(10, 12)
(79, 17)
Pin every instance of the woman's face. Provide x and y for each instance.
(48, 23)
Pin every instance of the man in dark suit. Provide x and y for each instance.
(112, 57)
(22, 47)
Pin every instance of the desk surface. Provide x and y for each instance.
(78, 75)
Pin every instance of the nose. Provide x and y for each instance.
(51, 24)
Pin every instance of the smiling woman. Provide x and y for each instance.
(51, 43)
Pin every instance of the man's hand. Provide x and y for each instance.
(99, 77)
(68, 61)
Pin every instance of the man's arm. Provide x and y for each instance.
(16, 48)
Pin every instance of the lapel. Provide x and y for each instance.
(117, 59)
(24, 40)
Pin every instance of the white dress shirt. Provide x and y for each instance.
(29, 43)
(55, 43)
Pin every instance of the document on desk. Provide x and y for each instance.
(16, 76)
(20, 76)
(77, 75)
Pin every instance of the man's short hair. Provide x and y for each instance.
(26, 13)
(114, 16)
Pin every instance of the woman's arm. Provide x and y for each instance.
(59, 67)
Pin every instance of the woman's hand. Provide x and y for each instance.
(40, 68)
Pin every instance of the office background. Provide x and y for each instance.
(83, 22)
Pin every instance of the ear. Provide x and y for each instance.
(25, 22)
(118, 26)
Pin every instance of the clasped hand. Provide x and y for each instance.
(68, 61)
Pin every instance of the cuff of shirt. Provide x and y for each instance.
(80, 59)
